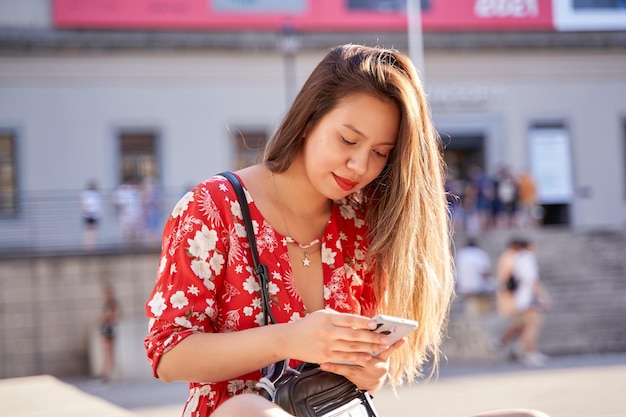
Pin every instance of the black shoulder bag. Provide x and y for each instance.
(306, 391)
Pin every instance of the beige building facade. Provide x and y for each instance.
(194, 103)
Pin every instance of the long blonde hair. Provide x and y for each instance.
(406, 208)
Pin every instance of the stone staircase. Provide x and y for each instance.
(585, 274)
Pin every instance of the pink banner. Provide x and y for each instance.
(304, 15)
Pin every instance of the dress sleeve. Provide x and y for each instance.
(191, 270)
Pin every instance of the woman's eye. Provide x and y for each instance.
(378, 153)
(346, 141)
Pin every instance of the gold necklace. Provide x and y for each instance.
(305, 261)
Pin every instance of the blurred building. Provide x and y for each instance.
(179, 90)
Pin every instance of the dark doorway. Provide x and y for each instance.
(462, 151)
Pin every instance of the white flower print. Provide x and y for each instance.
(326, 293)
(359, 254)
(272, 288)
(347, 211)
(210, 310)
(328, 256)
(208, 283)
(182, 205)
(183, 322)
(162, 264)
(216, 262)
(251, 285)
(231, 322)
(248, 311)
(290, 285)
(179, 300)
(230, 291)
(255, 227)
(201, 268)
(203, 242)
(240, 229)
(265, 238)
(351, 273)
(198, 246)
(185, 227)
(208, 207)
(337, 289)
(256, 302)
(173, 269)
(192, 289)
(259, 319)
(235, 385)
(235, 208)
(236, 251)
(157, 304)
(294, 317)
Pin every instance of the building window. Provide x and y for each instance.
(8, 186)
(250, 147)
(138, 155)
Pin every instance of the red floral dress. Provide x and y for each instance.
(205, 281)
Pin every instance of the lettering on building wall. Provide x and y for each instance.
(464, 95)
(506, 8)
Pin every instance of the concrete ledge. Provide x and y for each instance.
(45, 395)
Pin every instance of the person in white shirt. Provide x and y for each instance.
(527, 300)
(473, 270)
(127, 200)
(91, 206)
(474, 279)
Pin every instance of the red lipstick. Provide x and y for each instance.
(344, 183)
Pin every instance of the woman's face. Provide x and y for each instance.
(350, 145)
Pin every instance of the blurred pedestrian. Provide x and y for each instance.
(91, 206)
(474, 276)
(479, 193)
(151, 205)
(108, 327)
(527, 200)
(505, 201)
(523, 299)
(473, 269)
(127, 201)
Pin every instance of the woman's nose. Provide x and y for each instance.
(358, 162)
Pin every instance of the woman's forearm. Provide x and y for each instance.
(225, 355)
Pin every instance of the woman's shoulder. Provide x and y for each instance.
(216, 185)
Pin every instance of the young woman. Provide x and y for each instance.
(350, 217)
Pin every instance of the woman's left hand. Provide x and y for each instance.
(369, 375)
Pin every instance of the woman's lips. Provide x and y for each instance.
(344, 183)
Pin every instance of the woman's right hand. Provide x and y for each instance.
(330, 336)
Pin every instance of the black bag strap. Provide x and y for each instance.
(260, 270)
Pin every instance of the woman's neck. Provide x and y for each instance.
(298, 196)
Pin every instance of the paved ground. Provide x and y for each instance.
(579, 386)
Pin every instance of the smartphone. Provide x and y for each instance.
(395, 327)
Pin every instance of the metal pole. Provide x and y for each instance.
(414, 33)
(289, 48)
